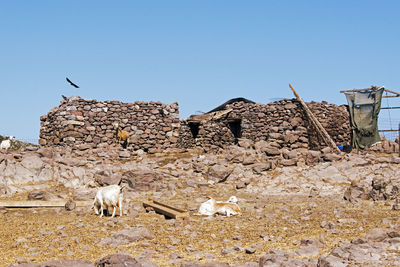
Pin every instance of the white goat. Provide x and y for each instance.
(5, 144)
(211, 207)
(108, 196)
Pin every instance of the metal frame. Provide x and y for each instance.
(394, 94)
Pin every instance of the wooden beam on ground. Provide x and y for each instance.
(40, 203)
(318, 126)
(165, 209)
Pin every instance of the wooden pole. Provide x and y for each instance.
(318, 126)
(398, 139)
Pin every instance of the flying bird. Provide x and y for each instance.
(71, 83)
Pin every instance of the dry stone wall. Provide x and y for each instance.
(283, 124)
(77, 121)
(155, 126)
(336, 121)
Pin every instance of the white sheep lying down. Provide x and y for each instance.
(211, 207)
(108, 196)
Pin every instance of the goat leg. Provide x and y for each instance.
(102, 212)
(96, 210)
(120, 207)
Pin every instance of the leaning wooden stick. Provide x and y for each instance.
(318, 126)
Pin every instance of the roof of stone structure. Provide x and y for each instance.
(231, 101)
(209, 116)
(217, 112)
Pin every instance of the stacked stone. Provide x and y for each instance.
(210, 135)
(385, 146)
(336, 121)
(152, 125)
(283, 124)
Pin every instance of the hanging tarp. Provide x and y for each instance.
(364, 107)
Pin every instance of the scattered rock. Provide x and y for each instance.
(41, 195)
(117, 260)
(127, 236)
(70, 205)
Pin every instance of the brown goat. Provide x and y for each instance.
(121, 135)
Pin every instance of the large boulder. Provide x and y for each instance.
(141, 180)
(218, 173)
(106, 177)
(32, 162)
(41, 195)
(355, 192)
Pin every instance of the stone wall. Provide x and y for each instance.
(155, 126)
(77, 121)
(282, 123)
(336, 121)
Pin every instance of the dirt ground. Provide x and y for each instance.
(275, 222)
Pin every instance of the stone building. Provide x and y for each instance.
(155, 126)
(152, 125)
(283, 124)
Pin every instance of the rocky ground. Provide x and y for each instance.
(299, 208)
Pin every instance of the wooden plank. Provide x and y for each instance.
(168, 206)
(220, 114)
(165, 209)
(365, 89)
(393, 92)
(390, 107)
(208, 116)
(40, 203)
(355, 90)
(318, 126)
(388, 96)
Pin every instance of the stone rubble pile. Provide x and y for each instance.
(379, 248)
(382, 184)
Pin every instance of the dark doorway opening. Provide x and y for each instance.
(235, 126)
(194, 128)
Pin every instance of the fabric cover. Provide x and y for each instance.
(364, 107)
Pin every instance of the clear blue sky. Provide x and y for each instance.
(199, 53)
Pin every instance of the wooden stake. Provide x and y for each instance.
(318, 126)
